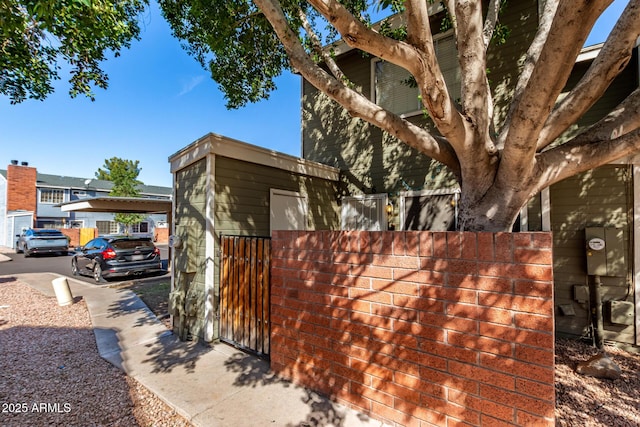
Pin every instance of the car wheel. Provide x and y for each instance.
(74, 267)
(18, 251)
(97, 274)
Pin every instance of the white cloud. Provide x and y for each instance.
(188, 86)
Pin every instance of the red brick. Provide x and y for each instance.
(535, 322)
(482, 375)
(534, 289)
(368, 295)
(516, 303)
(396, 287)
(439, 244)
(537, 356)
(413, 276)
(421, 414)
(503, 247)
(533, 256)
(409, 262)
(501, 332)
(536, 389)
(524, 419)
(496, 315)
(447, 351)
(454, 245)
(416, 383)
(346, 258)
(389, 413)
(373, 271)
(426, 244)
(485, 246)
(523, 402)
(457, 295)
(517, 368)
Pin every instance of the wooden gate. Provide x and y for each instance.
(245, 292)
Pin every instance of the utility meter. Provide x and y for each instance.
(605, 247)
(596, 244)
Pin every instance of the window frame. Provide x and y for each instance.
(403, 195)
(419, 111)
(383, 220)
(53, 192)
(111, 227)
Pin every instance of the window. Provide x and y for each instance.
(141, 227)
(50, 195)
(364, 212)
(79, 194)
(107, 227)
(434, 210)
(391, 87)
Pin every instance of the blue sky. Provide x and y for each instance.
(159, 100)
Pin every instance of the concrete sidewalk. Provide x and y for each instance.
(210, 386)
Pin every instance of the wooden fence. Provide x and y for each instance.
(245, 292)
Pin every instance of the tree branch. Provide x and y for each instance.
(611, 60)
(355, 103)
(616, 135)
(476, 94)
(491, 21)
(552, 53)
(317, 47)
(418, 27)
(569, 160)
(422, 64)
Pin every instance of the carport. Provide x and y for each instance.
(121, 205)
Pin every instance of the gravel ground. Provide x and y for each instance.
(586, 401)
(52, 375)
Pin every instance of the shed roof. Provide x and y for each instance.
(226, 147)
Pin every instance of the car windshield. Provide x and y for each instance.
(132, 244)
(47, 233)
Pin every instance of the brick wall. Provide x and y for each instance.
(416, 328)
(161, 235)
(21, 188)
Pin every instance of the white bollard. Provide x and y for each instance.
(62, 290)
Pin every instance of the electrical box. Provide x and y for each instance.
(580, 294)
(621, 312)
(605, 251)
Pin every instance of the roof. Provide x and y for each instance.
(227, 147)
(118, 204)
(75, 183)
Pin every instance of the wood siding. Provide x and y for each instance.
(190, 224)
(242, 197)
(598, 198)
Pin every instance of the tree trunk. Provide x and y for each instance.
(495, 211)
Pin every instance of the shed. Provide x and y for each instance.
(224, 187)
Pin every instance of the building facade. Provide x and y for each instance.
(30, 199)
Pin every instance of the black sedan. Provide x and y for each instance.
(116, 256)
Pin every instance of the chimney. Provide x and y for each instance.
(21, 187)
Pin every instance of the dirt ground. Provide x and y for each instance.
(154, 293)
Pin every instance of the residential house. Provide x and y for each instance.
(227, 187)
(381, 174)
(29, 198)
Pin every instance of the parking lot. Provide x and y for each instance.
(60, 265)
